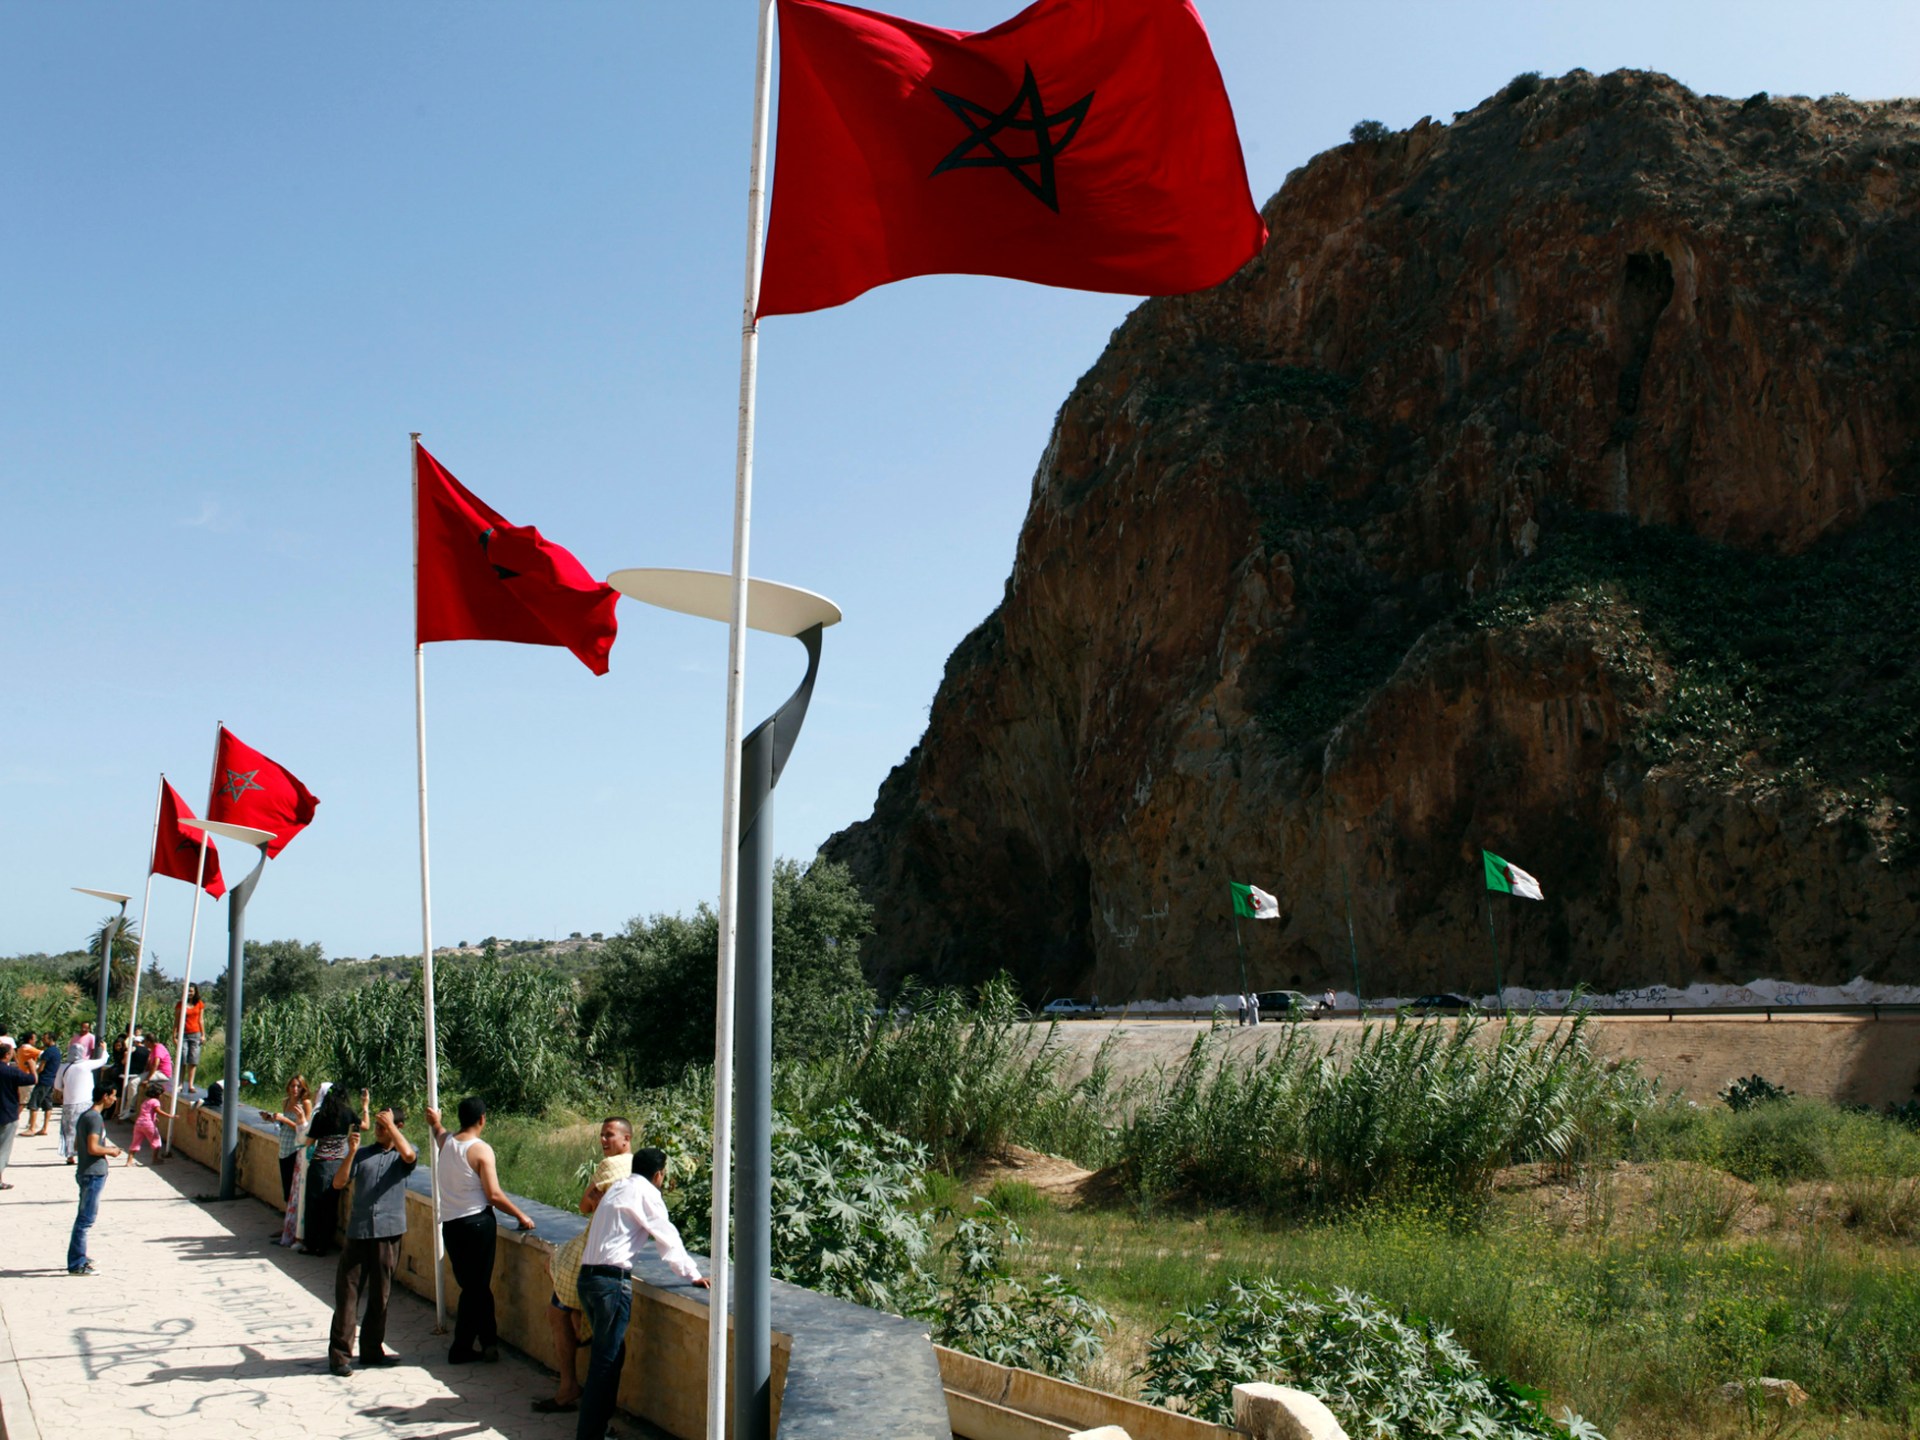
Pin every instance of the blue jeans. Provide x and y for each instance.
(90, 1187)
(608, 1305)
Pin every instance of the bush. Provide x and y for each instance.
(1526, 83)
(1381, 1374)
(1746, 1093)
(1411, 1108)
(964, 1079)
(1785, 1139)
(984, 1310)
(1368, 132)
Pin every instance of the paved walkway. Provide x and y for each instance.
(196, 1326)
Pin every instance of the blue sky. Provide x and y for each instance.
(247, 248)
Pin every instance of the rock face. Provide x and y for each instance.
(1543, 486)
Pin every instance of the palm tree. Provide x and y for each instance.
(126, 946)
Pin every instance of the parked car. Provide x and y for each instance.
(1447, 1004)
(1069, 1009)
(1284, 1005)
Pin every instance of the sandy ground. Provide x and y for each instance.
(1836, 1057)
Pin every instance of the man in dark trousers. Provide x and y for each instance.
(374, 1231)
(469, 1194)
(92, 1152)
(629, 1215)
(12, 1080)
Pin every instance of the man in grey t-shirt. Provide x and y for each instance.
(375, 1228)
(91, 1147)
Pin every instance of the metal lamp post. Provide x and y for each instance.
(106, 952)
(237, 897)
(803, 615)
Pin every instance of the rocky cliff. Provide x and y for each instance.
(1543, 486)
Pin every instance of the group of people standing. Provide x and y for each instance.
(327, 1149)
(592, 1275)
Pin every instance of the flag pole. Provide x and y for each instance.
(140, 953)
(193, 931)
(1353, 947)
(426, 892)
(1243, 955)
(1499, 989)
(720, 1270)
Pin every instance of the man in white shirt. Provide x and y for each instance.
(630, 1213)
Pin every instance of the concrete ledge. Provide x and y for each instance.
(840, 1371)
(1069, 1408)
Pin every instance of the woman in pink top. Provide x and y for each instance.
(159, 1061)
(146, 1129)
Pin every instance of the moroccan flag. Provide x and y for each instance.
(176, 849)
(480, 578)
(1083, 143)
(1253, 902)
(249, 789)
(1510, 878)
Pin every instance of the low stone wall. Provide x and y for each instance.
(839, 1370)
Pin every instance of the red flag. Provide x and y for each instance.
(1083, 143)
(249, 789)
(176, 849)
(480, 578)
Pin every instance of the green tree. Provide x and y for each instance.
(126, 948)
(650, 1002)
(282, 969)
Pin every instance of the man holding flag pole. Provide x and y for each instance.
(477, 577)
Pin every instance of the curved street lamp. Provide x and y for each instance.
(802, 615)
(106, 951)
(237, 897)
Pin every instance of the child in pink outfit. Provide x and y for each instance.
(146, 1129)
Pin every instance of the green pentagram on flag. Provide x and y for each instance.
(984, 124)
(238, 783)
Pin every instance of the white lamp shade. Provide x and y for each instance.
(772, 607)
(247, 834)
(114, 895)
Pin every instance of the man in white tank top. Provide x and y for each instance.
(469, 1194)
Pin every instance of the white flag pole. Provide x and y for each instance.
(193, 932)
(736, 698)
(140, 953)
(426, 893)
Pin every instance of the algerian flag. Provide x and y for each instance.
(1253, 902)
(1510, 878)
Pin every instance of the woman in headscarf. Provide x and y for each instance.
(75, 1084)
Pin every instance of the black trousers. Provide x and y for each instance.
(470, 1245)
(366, 1266)
(322, 1204)
(288, 1163)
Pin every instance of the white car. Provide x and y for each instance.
(1066, 1009)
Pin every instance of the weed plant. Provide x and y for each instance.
(1416, 1106)
(966, 1078)
(1790, 1139)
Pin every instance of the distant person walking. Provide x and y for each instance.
(1241, 1001)
(1327, 1003)
(40, 1100)
(12, 1079)
(375, 1228)
(76, 1085)
(630, 1213)
(91, 1172)
(190, 1020)
(564, 1316)
(469, 1194)
(1253, 1008)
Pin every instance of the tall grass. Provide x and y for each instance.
(1413, 1107)
(1789, 1139)
(964, 1078)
